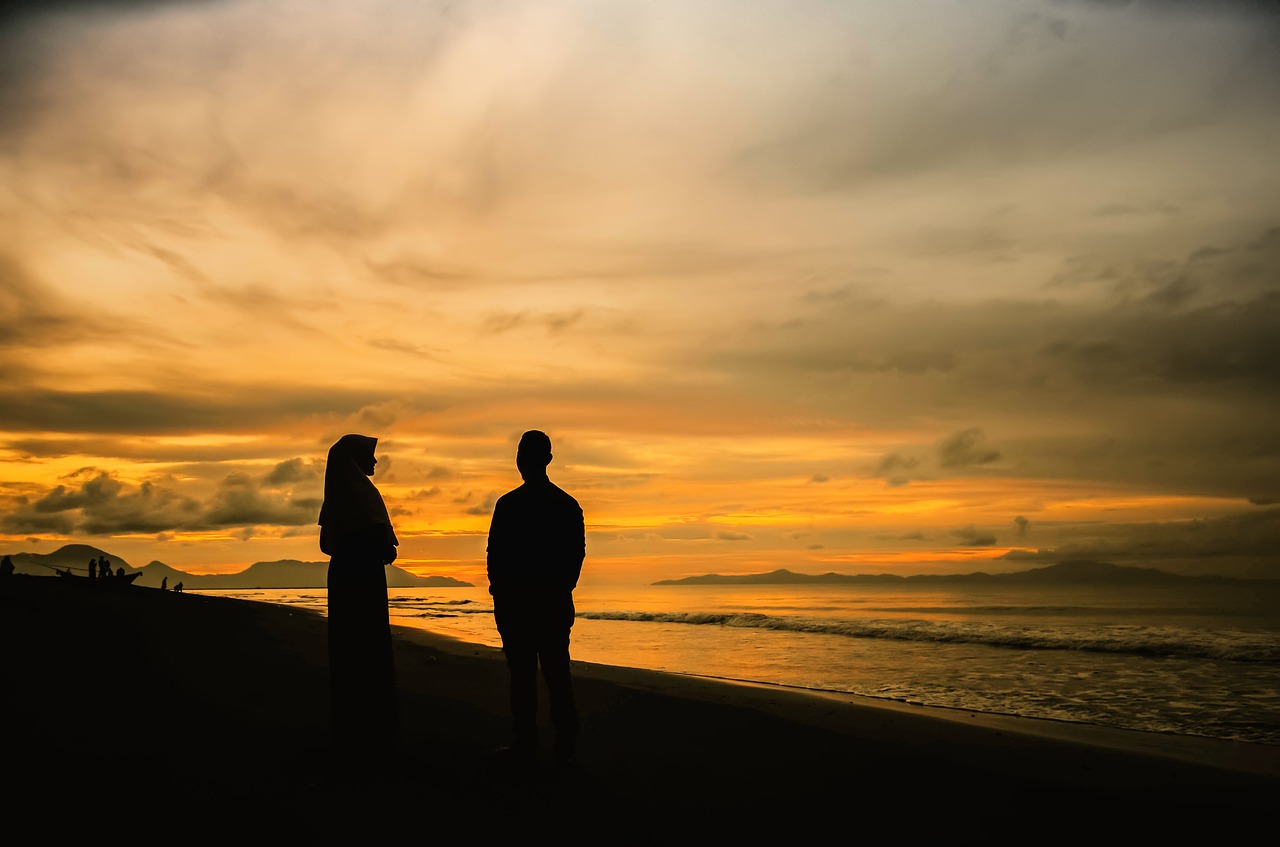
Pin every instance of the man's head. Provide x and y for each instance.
(533, 455)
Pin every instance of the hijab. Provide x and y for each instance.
(351, 500)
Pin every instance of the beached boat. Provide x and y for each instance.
(126, 579)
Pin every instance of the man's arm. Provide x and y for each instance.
(578, 549)
(495, 552)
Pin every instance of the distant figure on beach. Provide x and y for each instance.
(356, 534)
(537, 543)
(93, 569)
(178, 588)
(164, 584)
(104, 567)
(119, 572)
(6, 566)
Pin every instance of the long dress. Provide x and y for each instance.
(356, 533)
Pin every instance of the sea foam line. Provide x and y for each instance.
(1232, 645)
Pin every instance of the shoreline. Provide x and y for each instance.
(813, 706)
(187, 704)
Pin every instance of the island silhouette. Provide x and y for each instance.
(285, 573)
(291, 573)
(1074, 571)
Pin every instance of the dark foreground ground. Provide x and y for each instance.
(155, 715)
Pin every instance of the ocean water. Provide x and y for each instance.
(1201, 661)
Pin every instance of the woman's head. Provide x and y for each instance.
(355, 448)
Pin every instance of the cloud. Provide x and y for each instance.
(290, 472)
(485, 508)
(1048, 83)
(394, 345)
(715, 245)
(97, 502)
(34, 318)
(971, 537)
(214, 407)
(963, 450)
(1248, 535)
(551, 322)
(1209, 276)
(959, 451)
(897, 469)
(241, 501)
(1022, 525)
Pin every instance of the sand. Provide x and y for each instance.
(142, 712)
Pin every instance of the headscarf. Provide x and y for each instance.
(351, 500)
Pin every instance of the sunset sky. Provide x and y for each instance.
(851, 286)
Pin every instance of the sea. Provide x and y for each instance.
(1197, 660)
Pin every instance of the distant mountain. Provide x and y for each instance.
(286, 573)
(73, 557)
(1078, 571)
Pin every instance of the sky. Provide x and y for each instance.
(937, 286)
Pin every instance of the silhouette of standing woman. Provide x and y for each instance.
(356, 534)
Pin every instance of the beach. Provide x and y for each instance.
(136, 711)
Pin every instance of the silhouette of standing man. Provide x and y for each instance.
(536, 546)
(356, 533)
